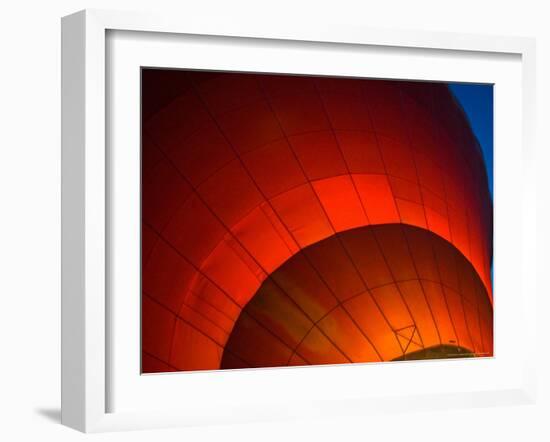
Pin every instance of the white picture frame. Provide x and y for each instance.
(86, 317)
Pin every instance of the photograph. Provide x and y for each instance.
(295, 220)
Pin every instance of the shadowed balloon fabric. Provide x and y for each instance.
(293, 220)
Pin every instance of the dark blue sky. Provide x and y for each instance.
(477, 102)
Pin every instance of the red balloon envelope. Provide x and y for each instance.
(293, 220)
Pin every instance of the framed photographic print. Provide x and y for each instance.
(252, 214)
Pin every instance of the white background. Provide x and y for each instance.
(30, 217)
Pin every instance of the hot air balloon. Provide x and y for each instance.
(299, 220)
